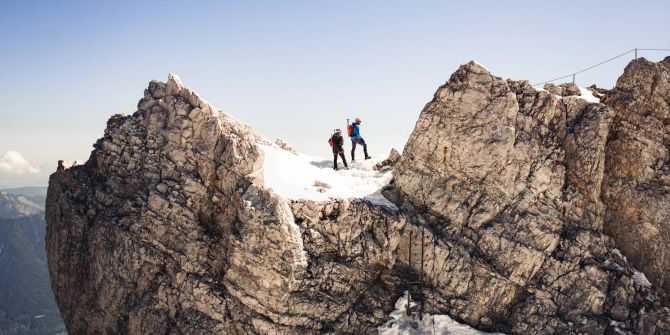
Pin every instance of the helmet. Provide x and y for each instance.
(357, 119)
(338, 130)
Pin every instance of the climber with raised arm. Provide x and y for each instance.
(355, 134)
(336, 142)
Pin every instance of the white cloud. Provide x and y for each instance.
(13, 162)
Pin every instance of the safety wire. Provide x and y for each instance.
(601, 63)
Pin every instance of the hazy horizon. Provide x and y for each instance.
(291, 70)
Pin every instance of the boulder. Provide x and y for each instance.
(563, 90)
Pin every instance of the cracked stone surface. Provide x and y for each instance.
(168, 228)
(636, 188)
(507, 181)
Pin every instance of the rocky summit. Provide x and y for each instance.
(523, 211)
(636, 187)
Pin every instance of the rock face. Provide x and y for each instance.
(636, 188)
(168, 227)
(563, 90)
(509, 180)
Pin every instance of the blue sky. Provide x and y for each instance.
(291, 69)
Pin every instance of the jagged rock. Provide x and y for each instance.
(390, 162)
(563, 90)
(597, 91)
(636, 188)
(508, 180)
(149, 253)
(321, 184)
(168, 227)
(282, 144)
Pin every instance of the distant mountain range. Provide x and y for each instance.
(18, 205)
(27, 304)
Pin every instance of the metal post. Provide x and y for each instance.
(409, 271)
(421, 280)
(573, 78)
(635, 53)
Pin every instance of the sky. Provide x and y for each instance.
(291, 69)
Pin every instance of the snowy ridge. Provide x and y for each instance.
(588, 95)
(298, 176)
(401, 324)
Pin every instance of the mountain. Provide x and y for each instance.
(36, 194)
(184, 220)
(14, 206)
(29, 191)
(27, 304)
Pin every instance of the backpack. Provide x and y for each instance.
(330, 141)
(350, 130)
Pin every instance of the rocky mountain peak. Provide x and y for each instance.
(637, 174)
(497, 205)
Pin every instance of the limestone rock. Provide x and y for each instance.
(169, 228)
(563, 90)
(390, 162)
(636, 188)
(149, 255)
(282, 144)
(506, 182)
(597, 91)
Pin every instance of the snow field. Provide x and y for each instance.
(298, 176)
(401, 324)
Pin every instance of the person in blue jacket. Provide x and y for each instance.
(357, 139)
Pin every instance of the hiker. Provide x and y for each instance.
(336, 141)
(355, 134)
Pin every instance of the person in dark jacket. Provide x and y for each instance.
(357, 139)
(337, 141)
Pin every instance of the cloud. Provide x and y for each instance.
(13, 162)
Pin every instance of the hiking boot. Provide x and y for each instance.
(367, 157)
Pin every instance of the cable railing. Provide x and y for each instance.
(573, 75)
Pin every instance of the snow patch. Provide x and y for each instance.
(641, 279)
(480, 64)
(588, 95)
(298, 176)
(401, 324)
(637, 276)
(615, 326)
